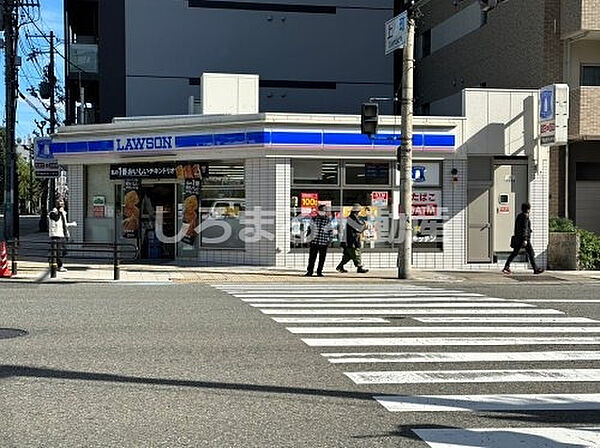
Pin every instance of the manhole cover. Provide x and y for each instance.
(8, 333)
(537, 278)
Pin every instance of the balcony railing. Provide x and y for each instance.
(579, 17)
(584, 121)
(83, 58)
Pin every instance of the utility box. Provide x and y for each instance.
(229, 94)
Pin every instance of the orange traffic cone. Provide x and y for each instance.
(4, 268)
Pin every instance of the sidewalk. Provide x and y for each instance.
(171, 273)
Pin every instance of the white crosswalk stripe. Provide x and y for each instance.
(383, 300)
(505, 320)
(367, 311)
(394, 305)
(511, 437)
(500, 402)
(437, 319)
(455, 357)
(450, 341)
(475, 376)
(331, 320)
(447, 329)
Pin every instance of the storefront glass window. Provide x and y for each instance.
(367, 173)
(428, 217)
(303, 202)
(311, 172)
(222, 205)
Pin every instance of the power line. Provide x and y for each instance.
(45, 36)
(33, 106)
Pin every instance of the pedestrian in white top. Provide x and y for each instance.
(58, 229)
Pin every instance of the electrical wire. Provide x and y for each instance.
(33, 106)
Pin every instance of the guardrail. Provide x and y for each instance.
(55, 250)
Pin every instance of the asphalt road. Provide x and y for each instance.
(189, 365)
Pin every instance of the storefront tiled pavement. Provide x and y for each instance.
(85, 273)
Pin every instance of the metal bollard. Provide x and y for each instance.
(116, 267)
(53, 258)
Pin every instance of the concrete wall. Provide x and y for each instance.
(168, 42)
(501, 122)
(582, 52)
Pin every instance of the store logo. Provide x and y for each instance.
(418, 174)
(143, 143)
(546, 106)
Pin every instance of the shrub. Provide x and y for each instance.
(562, 225)
(589, 250)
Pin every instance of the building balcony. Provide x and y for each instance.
(83, 58)
(580, 18)
(584, 121)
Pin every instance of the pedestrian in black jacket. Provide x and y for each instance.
(522, 240)
(320, 233)
(355, 226)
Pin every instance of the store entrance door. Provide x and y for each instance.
(157, 199)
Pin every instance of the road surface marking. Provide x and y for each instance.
(394, 305)
(493, 403)
(505, 320)
(381, 300)
(407, 312)
(351, 295)
(554, 437)
(450, 341)
(424, 329)
(561, 300)
(475, 376)
(433, 357)
(330, 320)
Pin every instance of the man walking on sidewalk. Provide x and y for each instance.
(355, 226)
(319, 233)
(58, 229)
(522, 240)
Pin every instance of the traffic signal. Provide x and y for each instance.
(369, 117)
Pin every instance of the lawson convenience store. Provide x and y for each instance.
(239, 190)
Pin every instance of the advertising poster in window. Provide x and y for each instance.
(191, 195)
(427, 204)
(379, 199)
(428, 222)
(309, 203)
(131, 208)
(370, 215)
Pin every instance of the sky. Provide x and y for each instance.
(49, 17)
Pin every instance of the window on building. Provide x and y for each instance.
(222, 202)
(590, 75)
(366, 183)
(367, 173)
(426, 43)
(309, 172)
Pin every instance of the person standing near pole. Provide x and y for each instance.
(522, 240)
(58, 229)
(355, 226)
(320, 233)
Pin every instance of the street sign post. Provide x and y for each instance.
(554, 114)
(395, 33)
(46, 166)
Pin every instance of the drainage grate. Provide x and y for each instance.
(537, 278)
(8, 333)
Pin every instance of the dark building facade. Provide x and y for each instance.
(146, 57)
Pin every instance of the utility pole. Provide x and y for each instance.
(52, 81)
(404, 154)
(11, 188)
